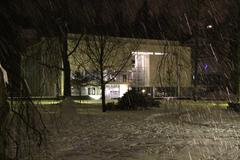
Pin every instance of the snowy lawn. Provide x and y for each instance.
(83, 132)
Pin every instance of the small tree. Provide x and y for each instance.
(105, 57)
(61, 11)
(66, 65)
(80, 79)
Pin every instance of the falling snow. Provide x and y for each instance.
(84, 132)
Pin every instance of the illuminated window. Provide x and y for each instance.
(91, 91)
(159, 53)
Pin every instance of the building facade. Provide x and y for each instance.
(155, 67)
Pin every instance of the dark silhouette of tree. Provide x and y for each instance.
(21, 126)
(120, 25)
(232, 31)
(146, 24)
(54, 18)
(59, 10)
(193, 26)
(4, 113)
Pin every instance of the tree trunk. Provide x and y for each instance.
(14, 72)
(66, 67)
(101, 64)
(195, 68)
(235, 57)
(196, 47)
(103, 85)
(103, 97)
(4, 111)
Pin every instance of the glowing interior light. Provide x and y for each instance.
(142, 53)
(143, 91)
(159, 53)
(123, 89)
(148, 53)
(96, 97)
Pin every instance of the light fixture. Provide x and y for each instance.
(142, 53)
(159, 53)
(148, 53)
(209, 26)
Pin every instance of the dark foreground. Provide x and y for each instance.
(167, 133)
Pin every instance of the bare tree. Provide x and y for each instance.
(4, 113)
(60, 10)
(105, 57)
(22, 131)
(51, 20)
(231, 28)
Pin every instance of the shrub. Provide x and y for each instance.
(134, 100)
(234, 106)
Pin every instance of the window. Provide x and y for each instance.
(91, 91)
(133, 61)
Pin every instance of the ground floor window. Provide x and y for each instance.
(91, 91)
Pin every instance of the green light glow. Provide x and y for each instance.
(46, 102)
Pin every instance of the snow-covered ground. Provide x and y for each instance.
(172, 133)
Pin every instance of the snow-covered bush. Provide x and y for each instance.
(134, 100)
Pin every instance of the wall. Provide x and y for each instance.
(42, 79)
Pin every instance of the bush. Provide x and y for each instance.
(234, 106)
(134, 100)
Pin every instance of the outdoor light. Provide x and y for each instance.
(143, 90)
(209, 26)
(206, 67)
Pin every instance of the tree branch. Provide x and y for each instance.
(76, 46)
